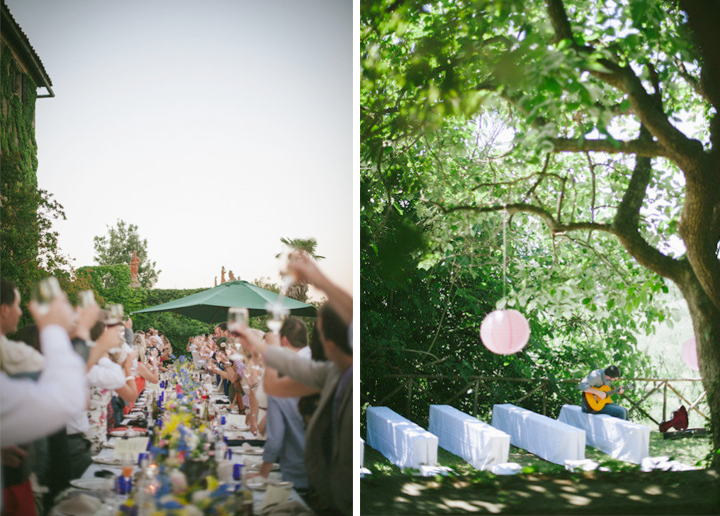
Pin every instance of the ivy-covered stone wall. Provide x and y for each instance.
(17, 118)
(20, 232)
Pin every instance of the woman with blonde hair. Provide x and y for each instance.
(144, 370)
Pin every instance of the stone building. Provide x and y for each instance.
(23, 80)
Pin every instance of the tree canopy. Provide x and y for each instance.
(118, 246)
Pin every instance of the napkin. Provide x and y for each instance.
(506, 468)
(253, 461)
(80, 505)
(274, 496)
(582, 464)
(287, 509)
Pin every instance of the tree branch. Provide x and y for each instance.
(627, 220)
(649, 149)
(553, 225)
(681, 149)
(693, 81)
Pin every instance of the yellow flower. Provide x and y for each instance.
(212, 483)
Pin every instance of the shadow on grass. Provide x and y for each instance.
(546, 489)
(686, 492)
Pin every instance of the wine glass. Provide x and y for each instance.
(237, 318)
(44, 292)
(284, 268)
(113, 314)
(274, 325)
(86, 298)
(277, 314)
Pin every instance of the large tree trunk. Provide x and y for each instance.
(706, 324)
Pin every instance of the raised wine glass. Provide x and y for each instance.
(44, 292)
(237, 318)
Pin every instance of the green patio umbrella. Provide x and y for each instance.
(211, 306)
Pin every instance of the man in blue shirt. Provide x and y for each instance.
(284, 425)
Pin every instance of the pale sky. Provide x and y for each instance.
(216, 127)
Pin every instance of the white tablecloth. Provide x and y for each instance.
(478, 443)
(547, 438)
(237, 458)
(404, 443)
(618, 438)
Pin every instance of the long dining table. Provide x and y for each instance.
(241, 442)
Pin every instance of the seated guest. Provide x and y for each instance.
(106, 335)
(101, 375)
(284, 425)
(144, 369)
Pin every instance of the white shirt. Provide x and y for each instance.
(305, 352)
(106, 374)
(30, 410)
(18, 357)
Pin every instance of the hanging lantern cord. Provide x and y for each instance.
(504, 216)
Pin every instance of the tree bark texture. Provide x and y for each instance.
(706, 325)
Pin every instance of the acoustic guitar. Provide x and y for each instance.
(595, 403)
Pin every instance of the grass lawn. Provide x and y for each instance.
(546, 488)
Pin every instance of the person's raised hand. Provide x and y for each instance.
(272, 339)
(304, 268)
(127, 365)
(250, 340)
(86, 319)
(60, 313)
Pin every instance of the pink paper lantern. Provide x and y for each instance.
(689, 354)
(505, 332)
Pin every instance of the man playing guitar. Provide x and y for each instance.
(595, 387)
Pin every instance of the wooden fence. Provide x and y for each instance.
(652, 385)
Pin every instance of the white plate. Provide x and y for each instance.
(252, 452)
(257, 486)
(90, 484)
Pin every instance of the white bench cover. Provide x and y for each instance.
(403, 442)
(362, 453)
(547, 438)
(478, 443)
(618, 438)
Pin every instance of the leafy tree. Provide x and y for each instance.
(118, 246)
(611, 109)
(28, 245)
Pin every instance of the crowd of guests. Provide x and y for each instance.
(69, 379)
(66, 382)
(295, 392)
